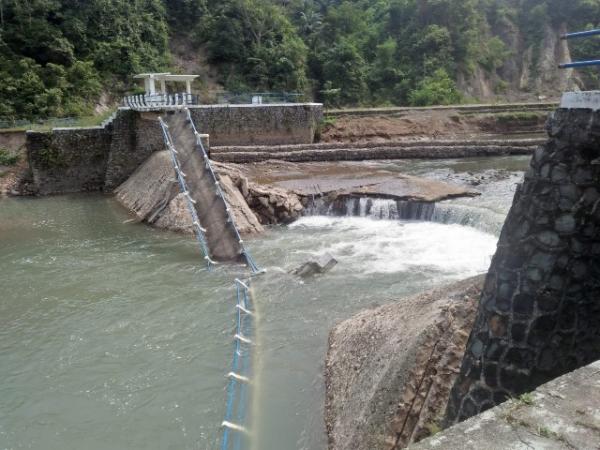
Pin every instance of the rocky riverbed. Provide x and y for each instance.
(273, 192)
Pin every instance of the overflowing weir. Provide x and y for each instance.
(447, 212)
(219, 240)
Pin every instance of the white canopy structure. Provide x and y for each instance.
(150, 80)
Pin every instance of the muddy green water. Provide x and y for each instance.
(112, 336)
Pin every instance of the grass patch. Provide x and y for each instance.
(47, 125)
(523, 116)
(323, 125)
(526, 399)
(433, 428)
(7, 159)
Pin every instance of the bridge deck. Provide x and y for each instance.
(221, 237)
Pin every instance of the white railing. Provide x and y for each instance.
(157, 101)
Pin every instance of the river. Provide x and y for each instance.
(113, 336)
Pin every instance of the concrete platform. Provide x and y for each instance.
(351, 179)
(562, 414)
(581, 100)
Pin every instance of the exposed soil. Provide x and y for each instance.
(429, 124)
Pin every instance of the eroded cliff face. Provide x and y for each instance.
(530, 71)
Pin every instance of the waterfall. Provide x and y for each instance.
(448, 212)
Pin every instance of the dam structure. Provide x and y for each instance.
(219, 240)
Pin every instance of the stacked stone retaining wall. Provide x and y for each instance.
(430, 150)
(539, 314)
(68, 160)
(101, 158)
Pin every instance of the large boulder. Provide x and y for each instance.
(152, 194)
(270, 203)
(389, 370)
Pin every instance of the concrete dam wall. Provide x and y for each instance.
(101, 158)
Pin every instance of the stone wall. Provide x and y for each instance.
(68, 160)
(539, 314)
(135, 136)
(12, 140)
(258, 124)
(92, 159)
(241, 155)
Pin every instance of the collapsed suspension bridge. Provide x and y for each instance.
(219, 239)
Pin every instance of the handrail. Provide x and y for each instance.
(157, 101)
(580, 34)
(220, 193)
(577, 64)
(239, 376)
(198, 229)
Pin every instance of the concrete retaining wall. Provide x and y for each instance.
(70, 160)
(560, 415)
(259, 124)
(93, 159)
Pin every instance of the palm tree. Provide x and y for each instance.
(310, 22)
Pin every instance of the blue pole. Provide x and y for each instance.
(580, 34)
(580, 64)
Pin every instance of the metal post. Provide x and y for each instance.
(580, 64)
(580, 34)
(576, 64)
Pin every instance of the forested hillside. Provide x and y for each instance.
(58, 56)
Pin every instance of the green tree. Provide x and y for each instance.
(437, 89)
(345, 69)
(255, 42)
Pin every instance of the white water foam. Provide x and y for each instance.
(389, 246)
(449, 212)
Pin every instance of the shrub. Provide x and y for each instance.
(438, 89)
(7, 159)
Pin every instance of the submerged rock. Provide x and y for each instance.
(319, 265)
(389, 370)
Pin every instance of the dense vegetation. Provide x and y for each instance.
(57, 56)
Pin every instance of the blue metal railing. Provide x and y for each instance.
(579, 64)
(234, 425)
(219, 192)
(258, 98)
(234, 428)
(199, 231)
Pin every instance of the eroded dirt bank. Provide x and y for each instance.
(432, 123)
